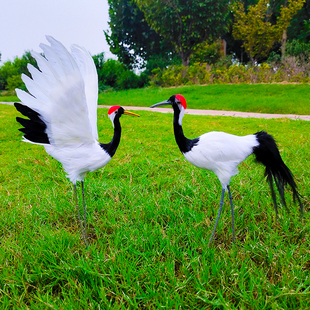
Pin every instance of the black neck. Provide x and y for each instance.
(112, 146)
(185, 145)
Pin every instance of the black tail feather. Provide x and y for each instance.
(268, 154)
(273, 194)
(34, 128)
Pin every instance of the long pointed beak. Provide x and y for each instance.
(130, 113)
(167, 102)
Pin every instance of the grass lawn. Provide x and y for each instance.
(262, 98)
(150, 216)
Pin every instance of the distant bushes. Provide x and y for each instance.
(291, 69)
(112, 74)
(298, 49)
(209, 67)
(10, 72)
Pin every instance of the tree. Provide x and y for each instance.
(10, 72)
(131, 38)
(288, 10)
(300, 25)
(114, 74)
(255, 29)
(186, 24)
(207, 53)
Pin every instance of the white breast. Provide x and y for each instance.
(221, 153)
(79, 159)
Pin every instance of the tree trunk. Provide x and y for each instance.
(253, 61)
(223, 47)
(283, 46)
(185, 58)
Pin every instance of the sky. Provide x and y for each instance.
(24, 25)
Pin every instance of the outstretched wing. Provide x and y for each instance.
(57, 92)
(89, 73)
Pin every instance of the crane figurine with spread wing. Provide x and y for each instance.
(61, 106)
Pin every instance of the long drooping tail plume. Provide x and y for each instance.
(34, 127)
(268, 154)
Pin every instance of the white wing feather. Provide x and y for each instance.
(64, 92)
(89, 74)
(58, 94)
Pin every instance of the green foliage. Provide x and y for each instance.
(150, 215)
(256, 30)
(111, 71)
(14, 81)
(99, 61)
(10, 70)
(287, 12)
(290, 70)
(184, 25)
(7, 70)
(273, 57)
(300, 25)
(131, 38)
(298, 49)
(158, 62)
(112, 74)
(304, 34)
(127, 79)
(207, 53)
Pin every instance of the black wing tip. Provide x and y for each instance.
(19, 106)
(34, 128)
(20, 120)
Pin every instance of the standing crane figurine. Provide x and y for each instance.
(62, 109)
(221, 153)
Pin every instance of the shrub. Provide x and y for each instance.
(14, 81)
(291, 69)
(112, 74)
(207, 53)
(273, 57)
(110, 71)
(160, 62)
(143, 79)
(298, 49)
(127, 80)
(9, 70)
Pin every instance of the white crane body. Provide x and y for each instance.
(221, 153)
(61, 104)
(70, 157)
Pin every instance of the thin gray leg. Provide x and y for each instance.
(77, 207)
(218, 216)
(78, 210)
(85, 222)
(232, 213)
